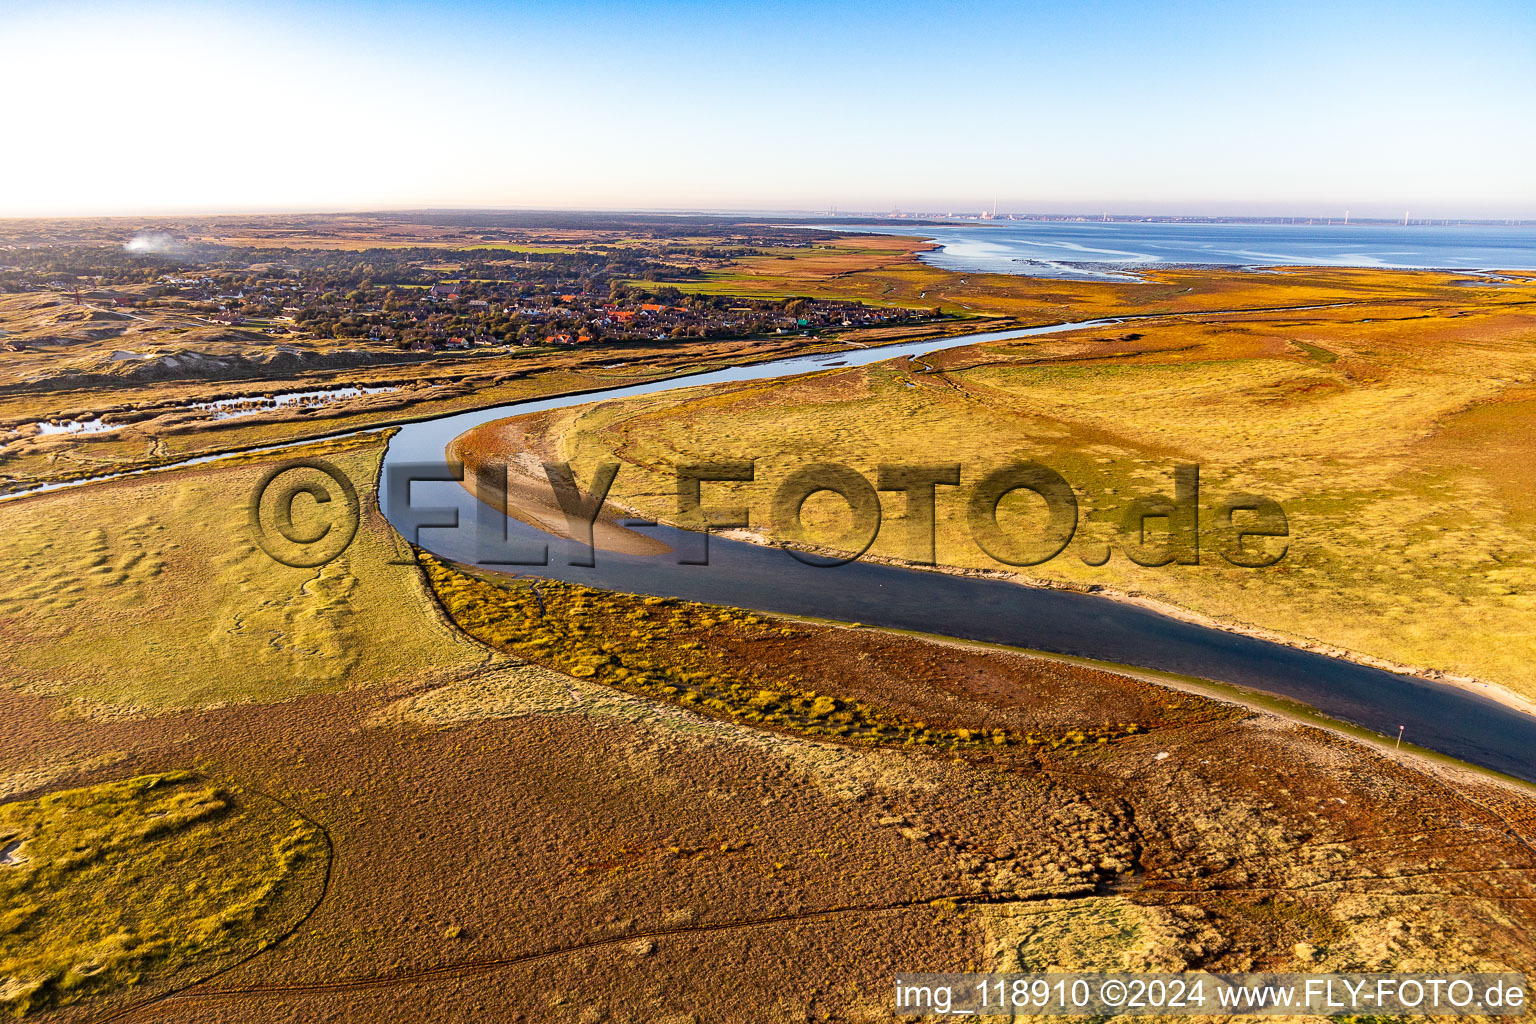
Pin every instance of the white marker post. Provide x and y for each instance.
(1400, 736)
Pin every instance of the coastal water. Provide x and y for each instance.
(1109, 249)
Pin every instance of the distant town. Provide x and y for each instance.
(424, 299)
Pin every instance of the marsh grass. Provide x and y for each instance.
(123, 883)
(655, 647)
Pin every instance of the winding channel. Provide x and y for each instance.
(1436, 716)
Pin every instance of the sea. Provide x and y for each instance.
(1118, 249)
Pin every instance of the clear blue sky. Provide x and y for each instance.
(1127, 107)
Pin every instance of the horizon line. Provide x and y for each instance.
(831, 215)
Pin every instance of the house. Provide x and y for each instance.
(446, 290)
(560, 339)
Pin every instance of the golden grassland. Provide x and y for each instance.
(125, 883)
(151, 594)
(1393, 437)
(652, 795)
(725, 768)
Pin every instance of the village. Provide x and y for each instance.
(425, 300)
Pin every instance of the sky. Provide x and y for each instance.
(1295, 108)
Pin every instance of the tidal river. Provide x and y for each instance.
(1436, 716)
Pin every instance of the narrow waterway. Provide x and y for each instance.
(1440, 717)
